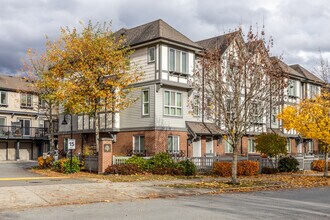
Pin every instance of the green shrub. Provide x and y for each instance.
(123, 169)
(288, 164)
(161, 160)
(269, 170)
(188, 168)
(58, 165)
(139, 161)
(63, 165)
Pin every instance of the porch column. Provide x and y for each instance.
(17, 150)
(105, 154)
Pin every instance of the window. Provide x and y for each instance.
(42, 103)
(229, 107)
(173, 103)
(151, 54)
(209, 145)
(26, 100)
(3, 98)
(251, 146)
(313, 91)
(274, 115)
(288, 145)
(196, 105)
(2, 121)
(178, 61)
(145, 102)
(26, 126)
(310, 147)
(292, 88)
(173, 143)
(138, 143)
(257, 111)
(3, 129)
(228, 147)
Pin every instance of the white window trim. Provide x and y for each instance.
(251, 149)
(175, 148)
(6, 97)
(144, 102)
(175, 54)
(173, 106)
(228, 147)
(288, 146)
(26, 95)
(139, 147)
(148, 52)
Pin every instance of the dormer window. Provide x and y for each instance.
(151, 54)
(178, 61)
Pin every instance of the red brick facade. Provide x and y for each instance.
(156, 141)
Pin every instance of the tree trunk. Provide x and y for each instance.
(97, 131)
(326, 159)
(234, 166)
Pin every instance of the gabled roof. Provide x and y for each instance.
(14, 83)
(310, 76)
(287, 69)
(153, 31)
(222, 41)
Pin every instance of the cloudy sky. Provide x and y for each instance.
(300, 28)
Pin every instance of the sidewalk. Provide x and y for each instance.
(21, 197)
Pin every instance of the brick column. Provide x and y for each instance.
(105, 154)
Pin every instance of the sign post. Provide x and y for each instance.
(71, 146)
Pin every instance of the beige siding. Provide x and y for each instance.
(139, 58)
(173, 121)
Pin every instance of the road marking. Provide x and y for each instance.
(31, 178)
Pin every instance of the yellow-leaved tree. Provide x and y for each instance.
(95, 69)
(311, 118)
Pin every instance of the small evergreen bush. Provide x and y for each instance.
(161, 160)
(139, 161)
(188, 168)
(288, 164)
(63, 165)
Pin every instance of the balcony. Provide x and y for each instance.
(141, 153)
(176, 153)
(15, 132)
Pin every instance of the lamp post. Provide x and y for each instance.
(64, 122)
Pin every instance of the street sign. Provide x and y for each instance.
(71, 144)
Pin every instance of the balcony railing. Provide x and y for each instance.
(141, 153)
(176, 153)
(22, 132)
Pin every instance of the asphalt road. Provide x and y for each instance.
(14, 173)
(287, 204)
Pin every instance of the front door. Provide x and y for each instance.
(197, 147)
(209, 146)
(26, 126)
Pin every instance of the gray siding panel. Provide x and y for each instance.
(132, 116)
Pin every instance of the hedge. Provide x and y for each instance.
(244, 168)
(318, 165)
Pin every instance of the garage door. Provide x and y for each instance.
(3, 151)
(25, 151)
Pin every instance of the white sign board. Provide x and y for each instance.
(71, 144)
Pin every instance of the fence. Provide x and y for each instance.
(204, 164)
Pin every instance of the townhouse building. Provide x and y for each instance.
(23, 123)
(162, 119)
